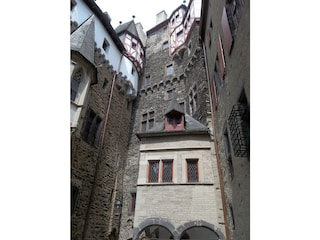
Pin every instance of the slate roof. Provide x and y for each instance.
(174, 106)
(192, 126)
(82, 40)
(128, 26)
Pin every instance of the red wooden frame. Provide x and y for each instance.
(149, 166)
(189, 161)
(167, 161)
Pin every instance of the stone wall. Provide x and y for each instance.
(98, 172)
(236, 81)
(189, 70)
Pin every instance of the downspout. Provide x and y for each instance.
(216, 148)
(102, 139)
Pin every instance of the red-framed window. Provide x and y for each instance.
(192, 170)
(153, 172)
(167, 170)
(133, 202)
(147, 121)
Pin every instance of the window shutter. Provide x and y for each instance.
(222, 62)
(226, 31)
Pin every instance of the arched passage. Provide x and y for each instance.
(154, 228)
(199, 233)
(199, 230)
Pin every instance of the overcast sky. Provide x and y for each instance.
(145, 11)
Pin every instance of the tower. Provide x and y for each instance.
(171, 116)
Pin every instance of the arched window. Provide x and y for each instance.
(199, 233)
(75, 83)
(155, 232)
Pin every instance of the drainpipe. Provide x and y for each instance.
(101, 144)
(216, 148)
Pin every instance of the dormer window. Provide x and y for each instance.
(174, 121)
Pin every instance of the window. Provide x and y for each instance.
(182, 106)
(106, 45)
(132, 71)
(230, 21)
(133, 202)
(217, 79)
(133, 45)
(105, 83)
(193, 100)
(192, 170)
(189, 48)
(169, 70)
(227, 149)
(147, 80)
(147, 121)
(74, 197)
(92, 128)
(239, 127)
(174, 120)
(169, 94)
(167, 170)
(180, 35)
(231, 216)
(75, 83)
(165, 45)
(73, 4)
(221, 59)
(153, 171)
(209, 38)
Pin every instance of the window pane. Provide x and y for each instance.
(167, 171)
(151, 123)
(192, 171)
(143, 126)
(75, 83)
(153, 171)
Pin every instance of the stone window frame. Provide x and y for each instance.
(147, 120)
(169, 69)
(165, 45)
(193, 99)
(106, 45)
(92, 128)
(169, 94)
(132, 206)
(75, 193)
(227, 149)
(147, 80)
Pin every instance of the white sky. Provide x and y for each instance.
(145, 11)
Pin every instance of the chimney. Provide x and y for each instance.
(141, 33)
(161, 16)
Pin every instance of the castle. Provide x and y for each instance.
(160, 123)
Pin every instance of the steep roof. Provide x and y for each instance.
(82, 40)
(174, 106)
(128, 26)
(105, 22)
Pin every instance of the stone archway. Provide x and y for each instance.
(199, 230)
(154, 228)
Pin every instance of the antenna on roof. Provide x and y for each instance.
(133, 16)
